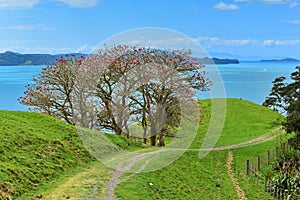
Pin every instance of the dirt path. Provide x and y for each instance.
(230, 173)
(263, 138)
(121, 169)
(92, 183)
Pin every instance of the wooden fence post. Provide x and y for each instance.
(258, 163)
(248, 167)
(266, 182)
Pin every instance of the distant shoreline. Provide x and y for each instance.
(16, 59)
(282, 60)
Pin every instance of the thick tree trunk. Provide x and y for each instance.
(117, 129)
(153, 140)
(153, 133)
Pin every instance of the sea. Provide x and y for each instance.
(250, 81)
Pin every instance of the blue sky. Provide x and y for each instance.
(241, 27)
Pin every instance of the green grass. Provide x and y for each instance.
(244, 121)
(37, 150)
(190, 177)
(42, 155)
(88, 182)
(186, 178)
(253, 186)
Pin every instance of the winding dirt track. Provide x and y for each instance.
(234, 181)
(122, 168)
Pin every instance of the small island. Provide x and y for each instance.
(218, 61)
(282, 60)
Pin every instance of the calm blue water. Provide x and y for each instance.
(248, 80)
(13, 80)
(252, 81)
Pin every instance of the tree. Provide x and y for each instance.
(285, 97)
(118, 86)
(52, 89)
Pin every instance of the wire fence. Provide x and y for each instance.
(255, 166)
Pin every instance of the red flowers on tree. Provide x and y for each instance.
(116, 86)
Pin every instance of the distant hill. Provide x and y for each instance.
(281, 60)
(12, 58)
(218, 61)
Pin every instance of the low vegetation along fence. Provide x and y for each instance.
(257, 165)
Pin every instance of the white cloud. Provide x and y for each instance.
(185, 42)
(28, 50)
(27, 4)
(292, 21)
(241, 0)
(85, 49)
(269, 43)
(293, 4)
(170, 43)
(216, 41)
(18, 4)
(27, 27)
(274, 1)
(79, 3)
(224, 6)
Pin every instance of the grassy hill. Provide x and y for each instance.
(36, 150)
(244, 121)
(190, 177)
(42, 155)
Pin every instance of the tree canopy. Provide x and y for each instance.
(119, 86)
(285, 98)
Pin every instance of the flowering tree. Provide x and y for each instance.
(119, 86)
(51, 90)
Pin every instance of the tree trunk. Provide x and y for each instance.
(153, 133)
(117, 129)
(161, 137)
(153, 140)
(145, 135)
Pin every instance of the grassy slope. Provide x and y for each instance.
(186, 178)
(244, 121)
(37, 150)
(192, 178)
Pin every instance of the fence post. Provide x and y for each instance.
(258, 163)
(266, 182)
(248, 167)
